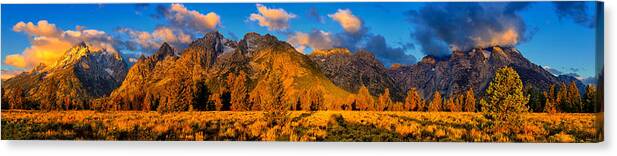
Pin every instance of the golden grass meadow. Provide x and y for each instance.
(340, 126)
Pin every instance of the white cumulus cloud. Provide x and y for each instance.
(347, 20)
(180, 15)
(274, 19)
(316, 39)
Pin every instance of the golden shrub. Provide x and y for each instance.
(299, 126)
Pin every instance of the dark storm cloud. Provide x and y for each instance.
(442, 27)
(375, 44)
(352, 41)
(389, 55)
(576, 11)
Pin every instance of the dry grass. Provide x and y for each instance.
(298, 126)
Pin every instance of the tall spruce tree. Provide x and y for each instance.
(574, 98)
(239, 92)
(589, 99)
(562, 98)
(384, 101)
(412, 100)
(435, 105)
(550, 102)
(365, 100)
(470, 101)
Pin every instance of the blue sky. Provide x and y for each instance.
(561, 43)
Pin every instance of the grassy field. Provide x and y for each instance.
(297, 126)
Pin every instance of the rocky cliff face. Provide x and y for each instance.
(204, 66)
(168, 76)
(297, 72)
(72, 82)
(351, 71)
(474, 68)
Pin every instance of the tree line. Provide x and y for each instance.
(234, 95)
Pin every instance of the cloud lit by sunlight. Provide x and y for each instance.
(274, 19)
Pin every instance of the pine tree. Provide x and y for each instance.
(4, 104)
(317, 99)
(435, 105)
(412, 100)
(148, 102)
(450, 104)
(505, 98)
(365, 99)
(217, 99)
(574, 98)
(562, 98)
(15, 99)
(470, 101)
(255, 98)
(550, 102)
(277, 94)
(589, 99)
(422, 104)
(312, 100)
(305, 100)
(200, 95)
(276, 107)
(239, 92)
(176, 97)
(536, 99)
(384, 100)
(458, 103)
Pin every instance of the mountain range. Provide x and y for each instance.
(70, 83)
(204, 67)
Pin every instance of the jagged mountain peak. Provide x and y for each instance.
(252, 36)
(213, 58)
(213, 35)
(472, 68)
(495, 52)
(79, 48)
(72, 55)
(210, 39)
(252, 41)
(165, 45)
(78, 52)
(80, 75)
(351, 71)
(82, 44)
(205, 51)
(164, 51)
